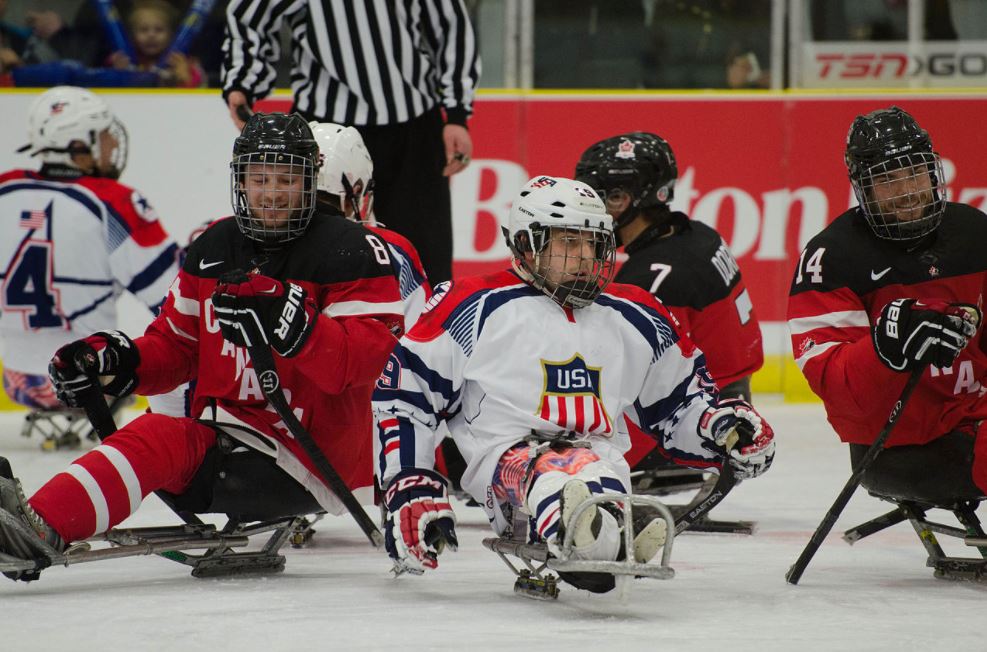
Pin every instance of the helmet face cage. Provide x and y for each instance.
(572, 265)
(896, 175)
(118, 157)
(902, 198)
(273, 195)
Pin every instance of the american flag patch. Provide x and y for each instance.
(35, 219)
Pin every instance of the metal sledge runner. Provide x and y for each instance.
(534, 580)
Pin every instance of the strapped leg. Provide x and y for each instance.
(578, 507)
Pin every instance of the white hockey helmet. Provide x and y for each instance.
(547, 208)
(65, 114)
(347, 170)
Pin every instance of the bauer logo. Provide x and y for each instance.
(571, 397)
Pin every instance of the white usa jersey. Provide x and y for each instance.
(497, 360)
(69, 246)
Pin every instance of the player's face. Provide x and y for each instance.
(904, 193)
(617, 200)
(569, 255)
(275, 192)
(152, 33)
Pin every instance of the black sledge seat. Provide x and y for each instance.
(917, 479)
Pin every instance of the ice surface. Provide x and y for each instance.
(729, 592)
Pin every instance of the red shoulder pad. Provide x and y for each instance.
(450, 295)
(130, 208)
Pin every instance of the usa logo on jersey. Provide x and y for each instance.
(571, 397)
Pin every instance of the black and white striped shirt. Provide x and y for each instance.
(356, 62)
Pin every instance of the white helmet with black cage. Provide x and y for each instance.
(347, 170)
(562, 240)
(66, 120)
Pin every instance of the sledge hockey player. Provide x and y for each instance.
(346, 188)
(72, 239)
(533, 369)
(686, 265)
(317, 288)
(893, 285)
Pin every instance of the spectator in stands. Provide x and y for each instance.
(152, 24)
(55, 39)
(12, 42)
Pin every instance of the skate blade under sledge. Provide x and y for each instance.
(534, 581)
(173, 543)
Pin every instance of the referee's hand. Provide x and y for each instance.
(239, 109)
(459, 148)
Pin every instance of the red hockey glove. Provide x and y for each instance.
(910, 333)
(107, 357)
(420, 523)
(747, 439)
(263, 310)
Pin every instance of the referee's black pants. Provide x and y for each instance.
(410, 194)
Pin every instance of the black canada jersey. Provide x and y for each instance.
(694, 274)
(844, 278)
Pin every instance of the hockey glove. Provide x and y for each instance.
(911, 333)
(746, 439)
(262, 310)
(420, 523)
(106, 358)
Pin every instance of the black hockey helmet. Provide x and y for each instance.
(273, 177)
(896, 175)
(639, 163)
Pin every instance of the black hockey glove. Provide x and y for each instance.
(747, 440)
(262, 310)
(107, 358)
(420, 523)
(911, 333)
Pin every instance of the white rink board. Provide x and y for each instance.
(729, 592)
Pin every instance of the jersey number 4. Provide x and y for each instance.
(27, 286)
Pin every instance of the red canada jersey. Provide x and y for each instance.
(345, 269)
(844, 278)
(693, 274)
(408, 269)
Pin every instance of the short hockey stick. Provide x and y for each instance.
(723, 485)
(264, 365)
(100, 415)
(191, 25)
(829, 520)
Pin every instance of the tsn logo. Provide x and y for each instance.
(874, 65)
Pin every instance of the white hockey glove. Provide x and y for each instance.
(746, 439)
(420, 523)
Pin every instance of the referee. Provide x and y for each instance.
(403, 73)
